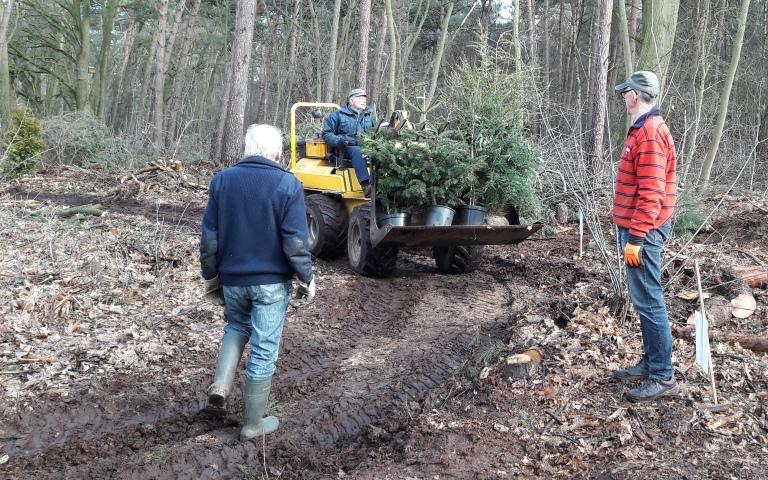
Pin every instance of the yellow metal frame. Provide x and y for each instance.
(317, 174)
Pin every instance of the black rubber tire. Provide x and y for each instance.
(327, 224)
(458, 259)
(363, 257)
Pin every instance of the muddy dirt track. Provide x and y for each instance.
(363, 352)
(377, 379)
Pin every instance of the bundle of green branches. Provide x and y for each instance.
(488, 104)
(418, 168)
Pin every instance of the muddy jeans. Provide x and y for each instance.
(258, 312)
(647, 295)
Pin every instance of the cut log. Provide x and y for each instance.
(744, 305)
(719, 310)
(753, 276)
(90, 209)
(750, 342)
(522, 365)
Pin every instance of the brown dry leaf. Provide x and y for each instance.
(689, 295)
(724, 421)
(73, 325)
(62, 305)
(625, 433)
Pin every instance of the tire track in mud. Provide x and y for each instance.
(360, 354)
(432, 336)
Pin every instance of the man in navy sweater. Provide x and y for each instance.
(253, 241)
(343, 129)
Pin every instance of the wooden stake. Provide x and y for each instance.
(703, 314)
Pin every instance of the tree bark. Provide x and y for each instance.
(162, 23)
(725, 94)
(330, 80)
(378, 68)
(240, 66)
(392, 58)
(516, 37)
(83, 85)
(625, 40)
(177, 88)
(750, 342)
(130, 40)
(438, 60)
(318, 53)
(532, 37)
(144, 95)
(107, 22)
(596, 87)
(361, 78)
(5, 77)
(545, 27)
(659, 27)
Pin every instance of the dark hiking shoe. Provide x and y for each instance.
(638, 372)
(653, 389)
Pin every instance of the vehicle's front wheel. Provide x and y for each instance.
(363, 257)
(327, 224)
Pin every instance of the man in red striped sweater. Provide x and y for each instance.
(643, 207)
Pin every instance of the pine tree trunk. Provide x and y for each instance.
(318, 52)
(625, 41)
(532, 36)
(5, 77)
(171, 43)
(330, 77)
(107, 22)
(596, 87)
(725, 94)
(144, 95)
(241, 65)
(162, 24)
(361, 79)
(295, 31)
(217, 145)
(700, 69)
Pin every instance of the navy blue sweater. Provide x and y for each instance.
(254, 228)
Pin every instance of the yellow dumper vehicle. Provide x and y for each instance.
(341, 219)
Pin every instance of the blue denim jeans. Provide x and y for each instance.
(258, 312)
(647, 295)
(358, 161)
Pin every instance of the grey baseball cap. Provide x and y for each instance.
(642, 81)
(356, 92)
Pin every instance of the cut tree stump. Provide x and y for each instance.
(522, 365)
(750, 342)
(744, 305)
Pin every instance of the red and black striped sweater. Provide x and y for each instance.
(646, 184)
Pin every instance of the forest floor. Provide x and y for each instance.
(106, 350)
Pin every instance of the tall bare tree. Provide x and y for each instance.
(5, 78)
(392, 57)
(725, 94)
(596, 86)
(330, 76)
(516, 36)
(240, 64)
(162, 23)
(378, 67)
(659, 27)
(361, 78)
(438, 59)
(107, 22)
(81, 12)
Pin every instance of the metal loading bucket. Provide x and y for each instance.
(446, 236)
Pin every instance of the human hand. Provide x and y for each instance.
(305, 292)
(632, 255)
(213, 292)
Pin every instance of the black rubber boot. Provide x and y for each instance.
(232, 346)
(256, 399)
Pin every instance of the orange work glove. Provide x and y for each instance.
(632, 255)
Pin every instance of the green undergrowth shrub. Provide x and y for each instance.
(688, 216)
(23, 144)
(75, 138)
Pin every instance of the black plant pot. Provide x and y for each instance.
(439, 215)
(469, 215)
